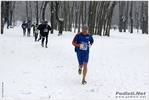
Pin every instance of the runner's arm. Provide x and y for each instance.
(91, 40)
(74, 41)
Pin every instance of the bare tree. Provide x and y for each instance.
(12, 7)
(109, 18)
(5, 7)
(125, 19)
(52, 16)
(76, 16)
(92, 14)
(70, 16)
(121, 10)
(30, 5)
(96, 14)
(60, 20)
(44, 8)
(65, 9)
(79, 16)
(27, 10)
(101, 24)
(144, 17)
(2, 16)
(36, 11)
(100, 18)
(131, 16)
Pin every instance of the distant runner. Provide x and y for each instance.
(45, 32)
(39, 28)
(24, 26)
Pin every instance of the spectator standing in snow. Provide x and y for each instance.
(82, 42)
(24, 26)
(115, 26)
(45, 32)
(8, 23)
(39, 28)
(28, 27)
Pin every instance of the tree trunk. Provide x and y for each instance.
(11, 12)
(124, 23)
(30, 11)
(2, 16)
(70, 18)
(120, 23)
(12, 6)
(85, 14)
(97, 18)
(27, 10)
(41, 10)
(76, 18)
(72, 15)
(121, 8)
(137, 16)
(92, 14)
(36, 12)
(110, 19)
(143, 27)
(146, 17)
(80, 14)
(125, 17)
(7, 7)
(60, 20)
(101, 15)
(65, 15)
(131, 17)
(52, 17)
(104, 15)
(82, 11)
(44, 8)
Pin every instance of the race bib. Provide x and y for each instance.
(83, 46)
(45, 30)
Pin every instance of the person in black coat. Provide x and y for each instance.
(24, 26)
(45, 32)
(39, 28)
(29, 27)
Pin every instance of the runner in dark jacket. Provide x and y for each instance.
(29, 27)
(39, 28)
(45, 32)
(24, 26)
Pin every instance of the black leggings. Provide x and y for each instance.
(28, 31)
(43, 38)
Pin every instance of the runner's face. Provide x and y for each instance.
(85, 31)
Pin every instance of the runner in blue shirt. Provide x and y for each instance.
(82, 42)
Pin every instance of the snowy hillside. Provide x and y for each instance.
(117, 64)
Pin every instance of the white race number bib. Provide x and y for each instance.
(83, 46)
(45, 30)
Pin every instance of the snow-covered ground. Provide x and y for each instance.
(118, 63)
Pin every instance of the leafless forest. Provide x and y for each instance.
(100, 16)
